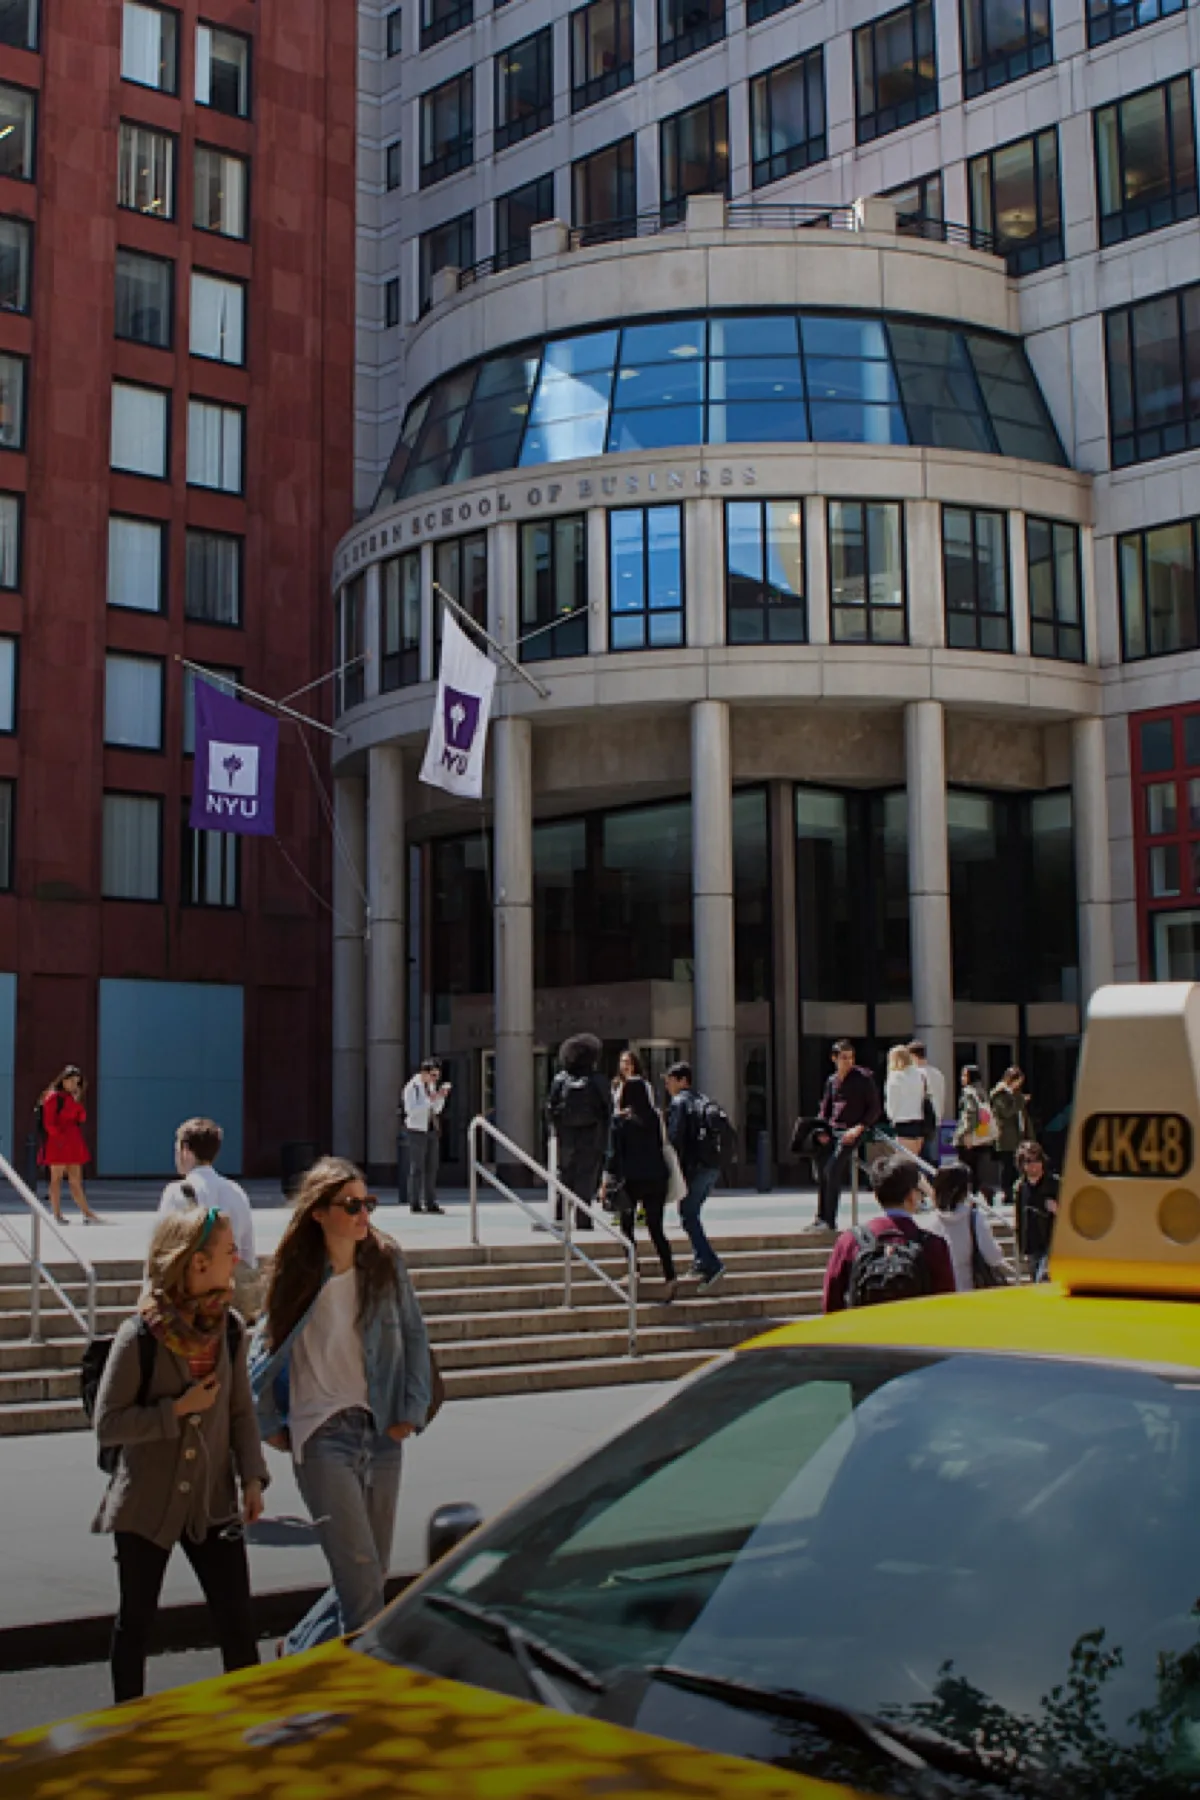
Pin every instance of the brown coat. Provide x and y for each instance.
(176, 1477)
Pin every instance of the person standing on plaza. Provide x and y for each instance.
(1035, 1199)
(342, 1376)
(975, 1133)
(935, 1089)
(629, 1068)
(1010, 1111)
(424, 1101)
(904, 1095)
(175, 1401)
(691, 1130)
(578, 1109)
(636, 1170)
(197, 1146)
(63, 1149)
(964, 1226)
(849, 1106)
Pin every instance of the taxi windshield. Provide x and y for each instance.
(995, 1558)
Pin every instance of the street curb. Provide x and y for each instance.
(64, 1643)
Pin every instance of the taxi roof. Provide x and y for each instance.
(1044, 1320)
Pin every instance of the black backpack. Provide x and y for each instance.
(714, 1141)
(889, 1266)
(95, 1359)
(573, 1102)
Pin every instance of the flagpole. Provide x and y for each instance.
(509, 660)
(287, 712)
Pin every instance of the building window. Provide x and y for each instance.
(1160, 590)
(975, 558)
(18, 122)
(146, 171)
(447, 128)
(16, 238)
(395, 37)
(658, 394)
(211, 866)
(686, 26)
(214, 450)
(393, 173)
(866, 572)
(554, 589)
(442, 18)
(391, 303)
(645, 578)
(221, 192)
(10, 541)
(1002, 40)
(213, 591)
(8, 807)
(694, 154)
(516, 215)
(919, 208)
(400, 622)
(19, 24)
(1166, 815)
(1153, 355)
(448, 246)
(145, 288)
(787, 118)
(604, 192)
(524, 89)
(352, 644)
(150, 47)
(226, 681)
(223, 70)
(8, 685)
(757, 10)
(601, 51)
(460, 569)
(1055, 590)
(133, 702)
(132, 852)
(1146, 161)
(1015, 201)
(218, 329)
(764, 572)
(139, 430)
(1113, 18)
(137, 560)
(895, 71)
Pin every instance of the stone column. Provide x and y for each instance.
(597, 580)
(704, 579)
(929, 884)
(714, 1015)
(786, 958)
(1093, 874)
(512, 749)
(349, 974)
(386, 954)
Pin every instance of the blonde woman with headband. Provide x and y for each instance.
(174, 1402)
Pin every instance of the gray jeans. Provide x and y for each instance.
(350, 1480)
(423, 1149)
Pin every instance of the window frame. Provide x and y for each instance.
(519, 126)
(393, 27)
(244, 38)
(507, 255)
(172, 13)
(163, 528)
(872, 123)
(114, 654)
(192, 859)
(222, 406)
(155, 800)
(407, 658)
(1140, 537)
(203, 618)
(673, 206)
(163, 262)
(1044, 248)
(776, 165)
(33, 33)
(232, 281)
(1126, 447)
(393, 165)
(8, 850)
(532, 621)
(616, 225)
(1180, 203)
(593, 88)
(19, 500)
(31, 95)
(645, 611)
(464, 224)
(677, 39)
(245, 163)
(13, 638)
(172, 196)
(350, 681)
(1184, 839)
(26, 225)
(996, 70)
(976, 612)
(21, 447)
(435, 28)
(391, 303)
(869, 607)
(1056, 624)
(1116, 18)
(461, 153)
(764, 606)
(166, 396)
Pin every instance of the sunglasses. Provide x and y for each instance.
(352, 1208)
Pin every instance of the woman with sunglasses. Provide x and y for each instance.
(174, 1402)
(341, 1374)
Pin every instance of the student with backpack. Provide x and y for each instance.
(890, 1258)
(702, 1137)
(976, 1130)
(174, 1416)
(577, 1112)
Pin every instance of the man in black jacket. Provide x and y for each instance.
(849, 1106)
(577, 1111)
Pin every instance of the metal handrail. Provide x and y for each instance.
(41, 1217)
(481, 1126)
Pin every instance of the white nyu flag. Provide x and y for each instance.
(458, 734)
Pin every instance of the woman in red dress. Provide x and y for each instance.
(63, 1147)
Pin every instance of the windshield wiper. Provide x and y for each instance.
(526, 1648)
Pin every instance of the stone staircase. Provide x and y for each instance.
(495, 1316)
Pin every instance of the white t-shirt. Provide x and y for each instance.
(212, 1189)
(904, 1095)
(328, 1371)
(936, 1083)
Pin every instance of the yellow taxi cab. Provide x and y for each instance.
(941, 1548)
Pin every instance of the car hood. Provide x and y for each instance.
(335, 1724)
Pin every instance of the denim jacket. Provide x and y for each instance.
(395, 1351)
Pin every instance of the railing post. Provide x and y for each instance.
(473, 1177)
(854, 1189)
(35, 1286)
(568, 1221)
(633, 1300)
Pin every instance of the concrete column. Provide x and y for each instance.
(816, 562)
(512, 742)
(372, 637)
(714, 1016)
(1093, 874)
(1018, 577)
(597, 580)
(429, 606)
(387, 954)
(926, 588)
(786, 997)
(929, 883)
(504, 606)
(704, 573)
(349, 973)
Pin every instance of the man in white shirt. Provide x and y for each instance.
(197, 1146)
(422, 1102)
(935, 1087)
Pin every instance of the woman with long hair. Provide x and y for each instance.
(63, 1149)
(963, 1225)
(904, 1098)
(976, 1130)
(174, 1401)
(636, 1171)
(341, 1376)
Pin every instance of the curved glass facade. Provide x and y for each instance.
(734, 378)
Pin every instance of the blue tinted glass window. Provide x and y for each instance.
(680, 338)
(646, 577)
(754, 423)
(568, 356)
(838, 336)
(771, 335)
(658, 384)
(941, 398)
(571, 396)
(1013, 400)
(658, 428)
(564, 442)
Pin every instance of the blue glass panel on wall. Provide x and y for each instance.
(168, 1050)
(562, 396)
(8, 1065)
(941, 398)
(658, 384)
(665, 557)
(834, 422)
(683, 339)
(564, 442)
(757, 424)
(756, 378)
(837, 335)
(574, 355)
(769, 335)
(627, 571)
(657, 429)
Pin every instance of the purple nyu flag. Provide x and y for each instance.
(234, 783)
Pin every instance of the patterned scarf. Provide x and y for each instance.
(192, 1331)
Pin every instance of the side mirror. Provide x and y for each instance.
(449, 1525)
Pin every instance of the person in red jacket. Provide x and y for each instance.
(897, 1185)
(63, 1149)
